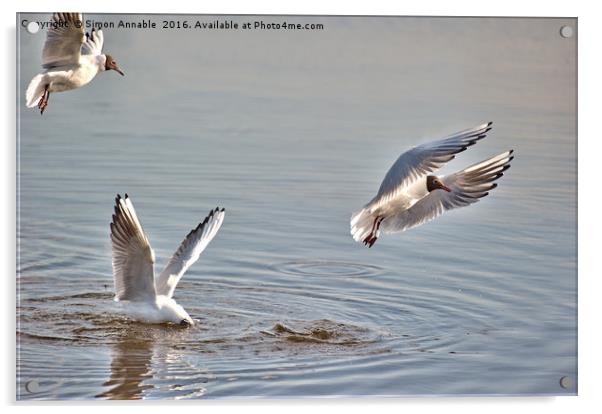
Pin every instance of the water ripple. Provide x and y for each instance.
(327, 268)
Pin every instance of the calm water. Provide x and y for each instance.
(291, 132)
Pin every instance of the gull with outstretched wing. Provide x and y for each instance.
(410, 195)
(149, 299)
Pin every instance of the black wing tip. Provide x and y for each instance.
(209, 216)
(482, 195)
(489, 124)
(118, 198)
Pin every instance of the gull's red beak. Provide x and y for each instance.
(445, 188)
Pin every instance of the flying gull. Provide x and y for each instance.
(410, 196)
(71, 58)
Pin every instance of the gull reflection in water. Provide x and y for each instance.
(153, 359)
(131, 366)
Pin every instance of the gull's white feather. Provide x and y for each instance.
(189, 251)
(93, 44)
(133, 257)
(64, 40)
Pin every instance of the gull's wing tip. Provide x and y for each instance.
(209, 216)
(217, 210)
(487, 127)
(189, 251)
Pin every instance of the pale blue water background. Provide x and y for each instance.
(291, 132)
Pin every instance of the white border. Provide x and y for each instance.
(589, 194)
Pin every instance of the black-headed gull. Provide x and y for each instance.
(148, 299)
(71, 58)
(409, 196)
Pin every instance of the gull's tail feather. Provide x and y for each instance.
(35, 90)
(362, 224)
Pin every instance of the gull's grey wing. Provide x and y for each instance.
(467, 187)
(189, 251)
(93, 44)
(64, 40)
(422, 160)
(133, 257)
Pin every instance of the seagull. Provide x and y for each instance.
(70, 58)
(410, 196)
(146, 298)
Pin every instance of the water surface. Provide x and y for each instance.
(291, 132)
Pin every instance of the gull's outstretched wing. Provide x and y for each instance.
(93, 44)
(64, 40)
(133, 257)
(189, 251)
(467, 187)
(422, 160)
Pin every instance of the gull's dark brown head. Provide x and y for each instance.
(111, 64)
(434, 183)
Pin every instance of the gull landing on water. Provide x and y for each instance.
(148, 299)
(409, 196)
(71, 59)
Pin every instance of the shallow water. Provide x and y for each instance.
(291, 132)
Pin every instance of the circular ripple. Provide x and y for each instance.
(321, 268)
